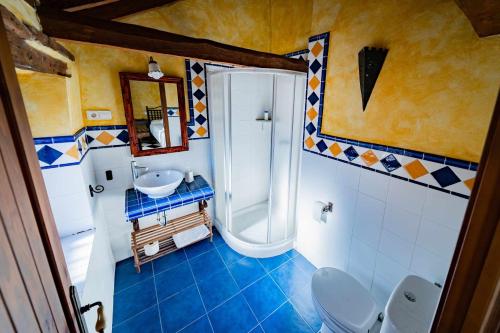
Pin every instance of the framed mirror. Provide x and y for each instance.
(155, 112)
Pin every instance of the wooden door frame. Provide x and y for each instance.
(20, 134)
(470, 300)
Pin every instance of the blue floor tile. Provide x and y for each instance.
(246, 271)
(201, 325)
(170, 260)
(229, 255)
(305, 265)
(126, 275)
(173, 280)
(217, 288)
(198, 248)
(271, 263)
(133, 300)
(233, 316)
(147, 321)
(181, 309)
(264, 297)
(217, 238)
(206, 265)
(258, 329)
(303, 303)
(290, 278)
(285, 319)
(292, 253)
(236, 291)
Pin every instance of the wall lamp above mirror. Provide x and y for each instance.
(155, 112)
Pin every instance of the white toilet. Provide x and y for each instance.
(344, 305)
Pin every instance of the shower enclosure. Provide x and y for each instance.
(256, 158)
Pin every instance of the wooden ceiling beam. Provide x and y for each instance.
(64, 4)
(76, 27)
(25, 55)
(484, 15)
(122, 8)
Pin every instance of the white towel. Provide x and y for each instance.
(190, 236)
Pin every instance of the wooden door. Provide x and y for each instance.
(471, 295)
(34, 282)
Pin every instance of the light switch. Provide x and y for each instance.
(99, 115)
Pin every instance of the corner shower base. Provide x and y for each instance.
(250, 224)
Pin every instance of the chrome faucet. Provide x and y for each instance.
(135, 169)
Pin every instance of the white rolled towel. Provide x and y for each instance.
(190, 236)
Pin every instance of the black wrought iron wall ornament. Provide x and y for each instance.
(97, 189)
(370, 64)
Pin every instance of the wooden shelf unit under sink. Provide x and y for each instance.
(163, 234)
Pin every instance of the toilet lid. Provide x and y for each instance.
(344, 299)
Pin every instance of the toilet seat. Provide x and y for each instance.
(343, 300)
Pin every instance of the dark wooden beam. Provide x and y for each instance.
(64, 4)
(121, 8)
(27, 57)
(484, 15)
(76, 27)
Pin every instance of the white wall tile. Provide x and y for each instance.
(396, 248)
(122, 178)
(406, 195)
(389, 269)
(361, 273)
(445, 209)
(374, 184)
(362, 254)
(72, 213)
(116, 157)
(429, 266)
(362, 262)
(347, 175)
(388, 225)
(381, 290)
(368, 220)
(402, 222)
(63, 181)
(437, 239)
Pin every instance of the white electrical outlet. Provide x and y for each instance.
(98, 115)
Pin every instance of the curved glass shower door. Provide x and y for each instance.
(256, 160)
(250, 146)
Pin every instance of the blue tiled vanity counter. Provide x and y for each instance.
(138, 204)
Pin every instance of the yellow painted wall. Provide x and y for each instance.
(244, 23)
(144, 94)
(171, 95)
(438, 85)
(99, 81)
(435, 93)
(49, 104)
(291, 25)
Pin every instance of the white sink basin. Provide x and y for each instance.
(159, 184)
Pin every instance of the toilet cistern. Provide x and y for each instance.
(344, 305)
(411, 306)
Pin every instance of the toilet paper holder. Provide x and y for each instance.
(322, 210)
(327, 208)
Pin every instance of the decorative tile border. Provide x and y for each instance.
(441, 173)
(301, 54)
(197, 98)
(62, 151)
(107, 136)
